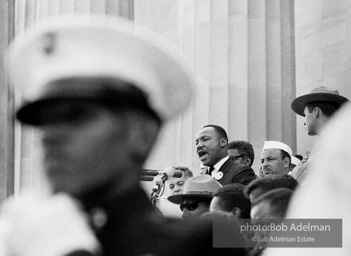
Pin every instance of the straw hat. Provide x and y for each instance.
(203, 186)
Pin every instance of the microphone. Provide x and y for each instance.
(146, 178)
(149, 172)
(169, 172)
(152, 173)
(166, 174)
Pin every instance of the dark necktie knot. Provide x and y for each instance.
(210, 169)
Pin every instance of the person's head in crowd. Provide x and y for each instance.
(97, 90)
(241, 152)
(294, 162)
(317, 107)
(260, 186)
(197, 195)
(211, 144)
(231, 199)
(98, 123)
(269, 208)
(275, 158)
(271, 205)
(176, 185)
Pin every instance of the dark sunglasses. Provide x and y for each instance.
(189, 206)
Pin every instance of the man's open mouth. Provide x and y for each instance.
(202, 154)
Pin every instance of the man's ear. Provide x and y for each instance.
(236, 212)
(286, 162)
(223, 142)
(247, 161)
(316, 112)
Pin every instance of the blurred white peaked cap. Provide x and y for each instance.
(277, 145)
(100, 47)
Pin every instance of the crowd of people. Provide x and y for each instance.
(98, 91)
(238, 192)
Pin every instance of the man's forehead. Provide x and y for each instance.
(207, 131)
(175, 180)
(271, 152)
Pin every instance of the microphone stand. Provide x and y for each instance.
(156, 191)
(154, 197)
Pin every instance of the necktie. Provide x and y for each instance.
(210, 169)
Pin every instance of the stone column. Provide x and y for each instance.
(242, 56)
(323, 52)
(7, 13)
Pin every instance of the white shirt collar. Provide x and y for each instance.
(218, 165)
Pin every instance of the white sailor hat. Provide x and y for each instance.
(97, 48)
(277, 145)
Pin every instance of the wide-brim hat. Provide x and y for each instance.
(202, 186)
(97, 47)
(318, 94)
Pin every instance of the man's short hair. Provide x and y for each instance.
(187, 173)
(220, 130)
(244, 147)
(271, 182)
(278, 200)
(232, 195)
(328, 108)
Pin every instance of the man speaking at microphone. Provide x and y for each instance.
(212, 149)
(98, 90)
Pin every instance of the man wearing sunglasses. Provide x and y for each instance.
(197, 196)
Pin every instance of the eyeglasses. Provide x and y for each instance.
(189, 206)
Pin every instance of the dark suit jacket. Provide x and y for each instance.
(133, 228)
(235, 173)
